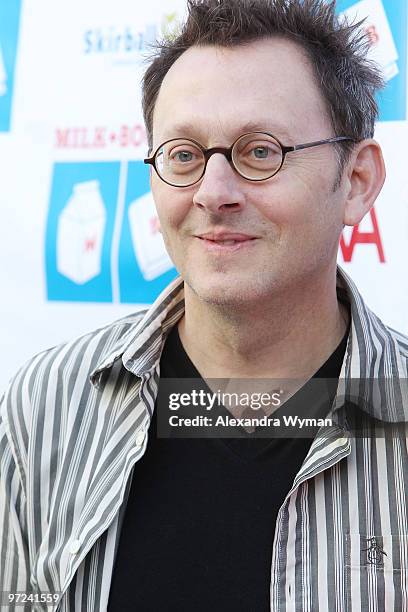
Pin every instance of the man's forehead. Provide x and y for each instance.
(203, 96)
(233, 128)
(266, 48)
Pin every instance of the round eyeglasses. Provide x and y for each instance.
(257, 156)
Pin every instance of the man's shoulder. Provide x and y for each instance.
(378, 367)
(400, 338)
(373, 333)
(400, 342)
(91, 347)
(65, 368)
(386, 335)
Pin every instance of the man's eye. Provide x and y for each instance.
(261, 152)
(182, 156)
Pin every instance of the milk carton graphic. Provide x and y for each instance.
(3, 76)
(148, 244)
(383, 50)
(81, 228)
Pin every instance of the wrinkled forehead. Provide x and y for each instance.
(213, 92)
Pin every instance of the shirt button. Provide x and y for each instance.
(74, 547)
(140, 439)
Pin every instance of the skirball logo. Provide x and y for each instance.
(118, 40)
(126, 40)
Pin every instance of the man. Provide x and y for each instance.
(95, 506)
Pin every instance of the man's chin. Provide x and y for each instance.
(229, 294)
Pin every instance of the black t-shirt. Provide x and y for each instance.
(200, 518)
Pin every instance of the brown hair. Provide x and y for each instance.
(337, 50)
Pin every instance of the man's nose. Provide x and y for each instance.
(220, 188)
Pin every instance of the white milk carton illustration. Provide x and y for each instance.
(383, 50)
(147, 241)
(80, 233)
(3, 76)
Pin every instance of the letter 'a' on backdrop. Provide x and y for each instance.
(80, 242)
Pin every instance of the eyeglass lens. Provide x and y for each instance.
(255, 156)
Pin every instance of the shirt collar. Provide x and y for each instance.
(374, 371)
(140, 348)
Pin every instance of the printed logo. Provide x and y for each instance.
(386, 28)
(362, 233)
(375, 554)
(144, 265)
(124, 42)
(148, 245)
(118, 40)
(9, 26)
(80, 233)
(102, 240)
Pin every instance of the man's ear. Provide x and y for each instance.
(365, 178)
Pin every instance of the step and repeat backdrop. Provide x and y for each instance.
(79, 241)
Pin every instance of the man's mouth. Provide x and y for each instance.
(227, 242)
(226, 239)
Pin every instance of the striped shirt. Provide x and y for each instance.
(74, 421)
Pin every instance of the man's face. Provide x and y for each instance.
(293, 220)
